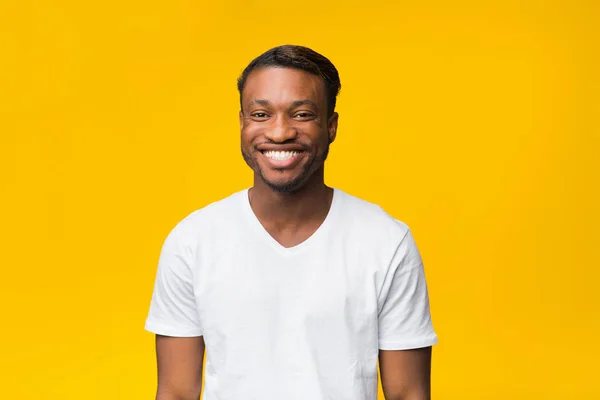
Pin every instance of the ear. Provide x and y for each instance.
(241, 117)
(332, 126)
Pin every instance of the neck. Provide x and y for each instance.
(282, 210)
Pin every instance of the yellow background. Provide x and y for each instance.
(476, 123)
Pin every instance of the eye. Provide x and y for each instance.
(304, 115)
(259, 115)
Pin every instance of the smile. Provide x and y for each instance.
(280, 155)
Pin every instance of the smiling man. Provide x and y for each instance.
(295, 289)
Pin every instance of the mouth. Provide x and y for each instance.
(280, 155)
(282, 159)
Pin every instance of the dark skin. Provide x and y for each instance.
(286, 109)
(179, 363)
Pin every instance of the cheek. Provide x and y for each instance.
(311, 132)
(249, 133)
(323, 139)
(246, 138)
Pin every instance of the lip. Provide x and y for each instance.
(283, 164)
(280, 147)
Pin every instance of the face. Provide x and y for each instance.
(285, 131)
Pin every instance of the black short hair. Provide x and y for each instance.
(298, 57)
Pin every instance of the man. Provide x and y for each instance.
(295, 289)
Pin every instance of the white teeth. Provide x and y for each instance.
(280, 155)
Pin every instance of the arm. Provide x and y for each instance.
(406, 374)
(406, 332)
(174, 318)
(179, 362)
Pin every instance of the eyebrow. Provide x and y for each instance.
(259, 102)
(296, 103)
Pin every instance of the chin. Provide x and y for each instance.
(285, 187)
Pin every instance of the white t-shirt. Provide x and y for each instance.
(296, 323)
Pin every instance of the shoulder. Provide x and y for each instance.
(371, 219)
(208, 219)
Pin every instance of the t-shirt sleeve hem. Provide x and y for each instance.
(404, 344)
(160, 329)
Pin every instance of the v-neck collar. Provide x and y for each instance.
(270, 240)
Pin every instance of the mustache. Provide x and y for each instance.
(288, 143)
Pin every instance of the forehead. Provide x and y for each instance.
(283, 85)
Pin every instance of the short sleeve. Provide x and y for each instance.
(173, 309)
(404, 316)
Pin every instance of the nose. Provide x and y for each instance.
(281, 130)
